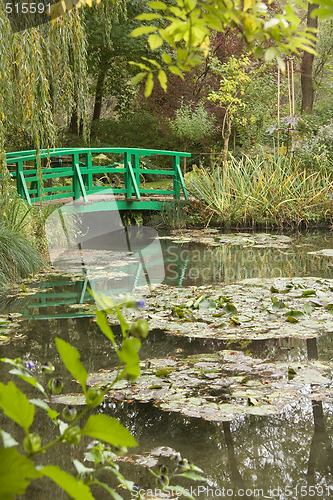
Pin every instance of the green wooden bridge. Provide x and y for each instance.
(70, 173)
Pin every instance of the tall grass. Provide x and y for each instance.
(20, 237)
(266, 190)
(18, 256)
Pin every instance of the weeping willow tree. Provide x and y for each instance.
(43, 76)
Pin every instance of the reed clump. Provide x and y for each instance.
(265, 190)
(19, 253)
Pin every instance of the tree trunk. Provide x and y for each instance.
(99, 91)
(226, 136)
(306, 68)
(73, 123)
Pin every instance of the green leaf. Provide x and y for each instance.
(149, 84)
(108, 429)
(295, 314)
(162, 78)
(137, 78)
(82, 469)
(16, 472)
(7, 439)
(292, 319)
(281, 63)
(176, 71)
(166, 58)
(143, 30)
(16, 405)
(157, 5)
(270, 53)
(193, 476)
(148, 17)
(129, 356)
(102, 322)
(308, 293)
(42, 404)
(323, 12)
(277, 304)
(71, 359)
(74, 487)
(230, 308)
(110, 490)
(155, 41)
(24, 375)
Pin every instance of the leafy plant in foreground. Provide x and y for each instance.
(110, 438)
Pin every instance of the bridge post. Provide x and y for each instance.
(176, 179)
(88, 178)
(36, 184)
(128, 180)
(76, 183)
(137, 169)
(19, 185)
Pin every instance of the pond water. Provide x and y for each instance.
(285, 455)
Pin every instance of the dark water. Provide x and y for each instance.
(284, 456)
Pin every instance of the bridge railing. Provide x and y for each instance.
(77, 165)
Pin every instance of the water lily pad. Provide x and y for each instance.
(237, 383)
(259, 315)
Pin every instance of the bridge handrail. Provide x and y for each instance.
(82, 172)
(70, 151)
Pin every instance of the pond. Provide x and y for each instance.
(237, 368)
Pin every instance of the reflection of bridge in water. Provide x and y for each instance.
(103, 271)
(70, 173)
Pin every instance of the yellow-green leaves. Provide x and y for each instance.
(155, 41)
(149, 84)
(188, 27)
(71, 359)
(143, 30)
(157, 5)
(109, 430)
(148, 17)
(271, 53)
(129, 356)
(16, 406)
(162, 78)
(137, 78)
(74, 487)
(16, 471)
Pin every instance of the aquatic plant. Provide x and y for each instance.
(268, 190)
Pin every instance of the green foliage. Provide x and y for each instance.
(109, 430)
(233, 82)
(171, 216)
(314, 140)
(17, 470)
(264, 190)
(74, 487)
(32, 88)
(70, 357)
(139, 130)
(192, 123)
(188, 27)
